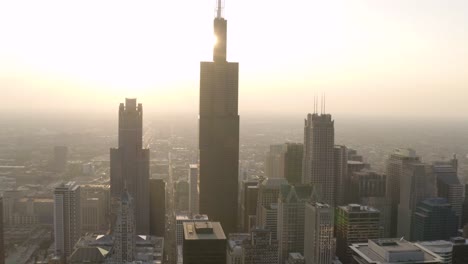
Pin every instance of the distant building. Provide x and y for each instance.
(181, 196)
(295, 258)
(267, 204)
(318, 163)
(157, 207)
(194, 189)
(268, 193)
(249, 196)
(292, 158)
(60, 158)
(95, 211)
(269, 219)
(394, 171)
(384, 205)
(274, 164)
(417, 183)
(367, 183)
(354, 224)
(341, 174)
(449, 187)
(319, 241)
(291, 217)
(129, 164)
(67, 219)
(392, 251)
(204, 243)
(434, 219)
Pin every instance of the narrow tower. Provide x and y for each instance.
(130, 164)
(219, 132)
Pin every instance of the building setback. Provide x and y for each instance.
(129, 170)
(219, 132)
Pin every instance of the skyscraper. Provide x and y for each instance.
(157, 207)
(449, 187)
(394, 171)
(291, 209)
(354, 224)
(67, 219)
(274, 165)
(194, 195)
(130, 164)
(341, 174)
(417, 183)
(318, 164)
(219, 132)
(292, 159)
(434, 219)
(2, 245)
(60, 158)
(260, 248)
(95, 208)
(284, 161)
(249, 196)
(319, 241)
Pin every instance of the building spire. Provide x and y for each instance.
(219, 9)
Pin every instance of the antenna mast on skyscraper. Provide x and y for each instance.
(219, 9)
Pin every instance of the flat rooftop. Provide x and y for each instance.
(392, 251)
(203, 231)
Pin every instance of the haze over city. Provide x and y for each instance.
(383, 58)
(234, 132)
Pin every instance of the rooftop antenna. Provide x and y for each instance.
(219, 9)
(315, 97)
(324, 103)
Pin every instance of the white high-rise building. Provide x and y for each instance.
(67, 220)
(319, 243)
(194, 190)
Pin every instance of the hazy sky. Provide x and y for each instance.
(378, 57)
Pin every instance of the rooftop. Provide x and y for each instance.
(393, 250)
(203, 231)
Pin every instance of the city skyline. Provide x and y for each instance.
(378, 48)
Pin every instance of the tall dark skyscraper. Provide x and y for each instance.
(219, 133)
(130, 164)
(318, 164)
(157, 207)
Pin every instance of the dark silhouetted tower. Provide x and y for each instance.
(219, 133)
(157, 207)
(130, 164)
(318, 164)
